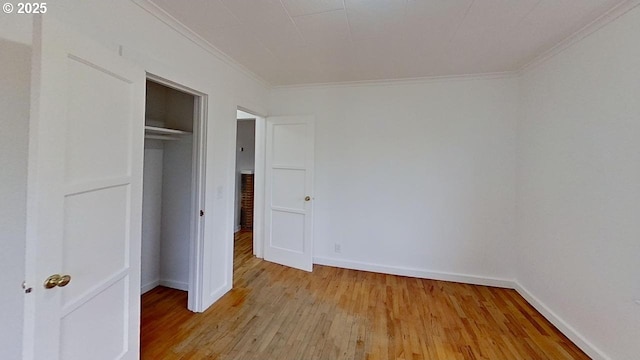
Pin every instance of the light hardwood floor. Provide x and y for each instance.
(274, 312)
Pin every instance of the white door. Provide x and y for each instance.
(84, 199)
(289, 191)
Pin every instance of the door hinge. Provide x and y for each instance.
(201, 212)
(27, 289)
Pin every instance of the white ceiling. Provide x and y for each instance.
(322, 41)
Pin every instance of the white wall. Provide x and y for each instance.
(15, 60)
(162, 51)
(166, 210)
(415, 178)
(245, 159)
(176, 213)
(579, 188)
(151, 214)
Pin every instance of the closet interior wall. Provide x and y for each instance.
(167, 188)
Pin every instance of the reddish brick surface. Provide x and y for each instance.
(246, 202)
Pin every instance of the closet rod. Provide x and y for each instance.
(161, 137)
(166, 131)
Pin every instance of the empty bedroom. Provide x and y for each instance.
(320, 179)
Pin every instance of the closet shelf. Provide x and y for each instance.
(164, 131)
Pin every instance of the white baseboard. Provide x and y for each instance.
(149, 286)
(562, 325)
(238, 227)
(418, 273)
(178, 285)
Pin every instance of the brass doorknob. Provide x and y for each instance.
(57, 280)
(307, 198)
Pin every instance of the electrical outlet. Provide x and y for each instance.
(337, 248)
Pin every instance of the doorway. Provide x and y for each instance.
(283, 165)
(250, 158)
(173, 192)
(245, 179)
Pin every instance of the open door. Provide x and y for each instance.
(289, 191)
(84, 199)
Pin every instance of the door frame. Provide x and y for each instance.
(258, 180)
(198, 190)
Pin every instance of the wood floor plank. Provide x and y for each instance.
(275, 312)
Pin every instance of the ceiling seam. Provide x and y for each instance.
(228, 10)
(294, 23)
(404, 81)
(346, 14)
(317, 12)
(240, 22)
(455, 33)
(523, 18)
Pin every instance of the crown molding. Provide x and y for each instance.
(403, 81)
(601, 21)
(582, 33)
(185, 31)
(579, 35)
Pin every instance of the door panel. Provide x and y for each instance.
(289, 180)
(103, 254)
(288, 190)
(95, 123)
(84, 199)
(285, 138)
(105, 310)
(287, 228)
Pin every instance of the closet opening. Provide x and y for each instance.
(173, 194)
